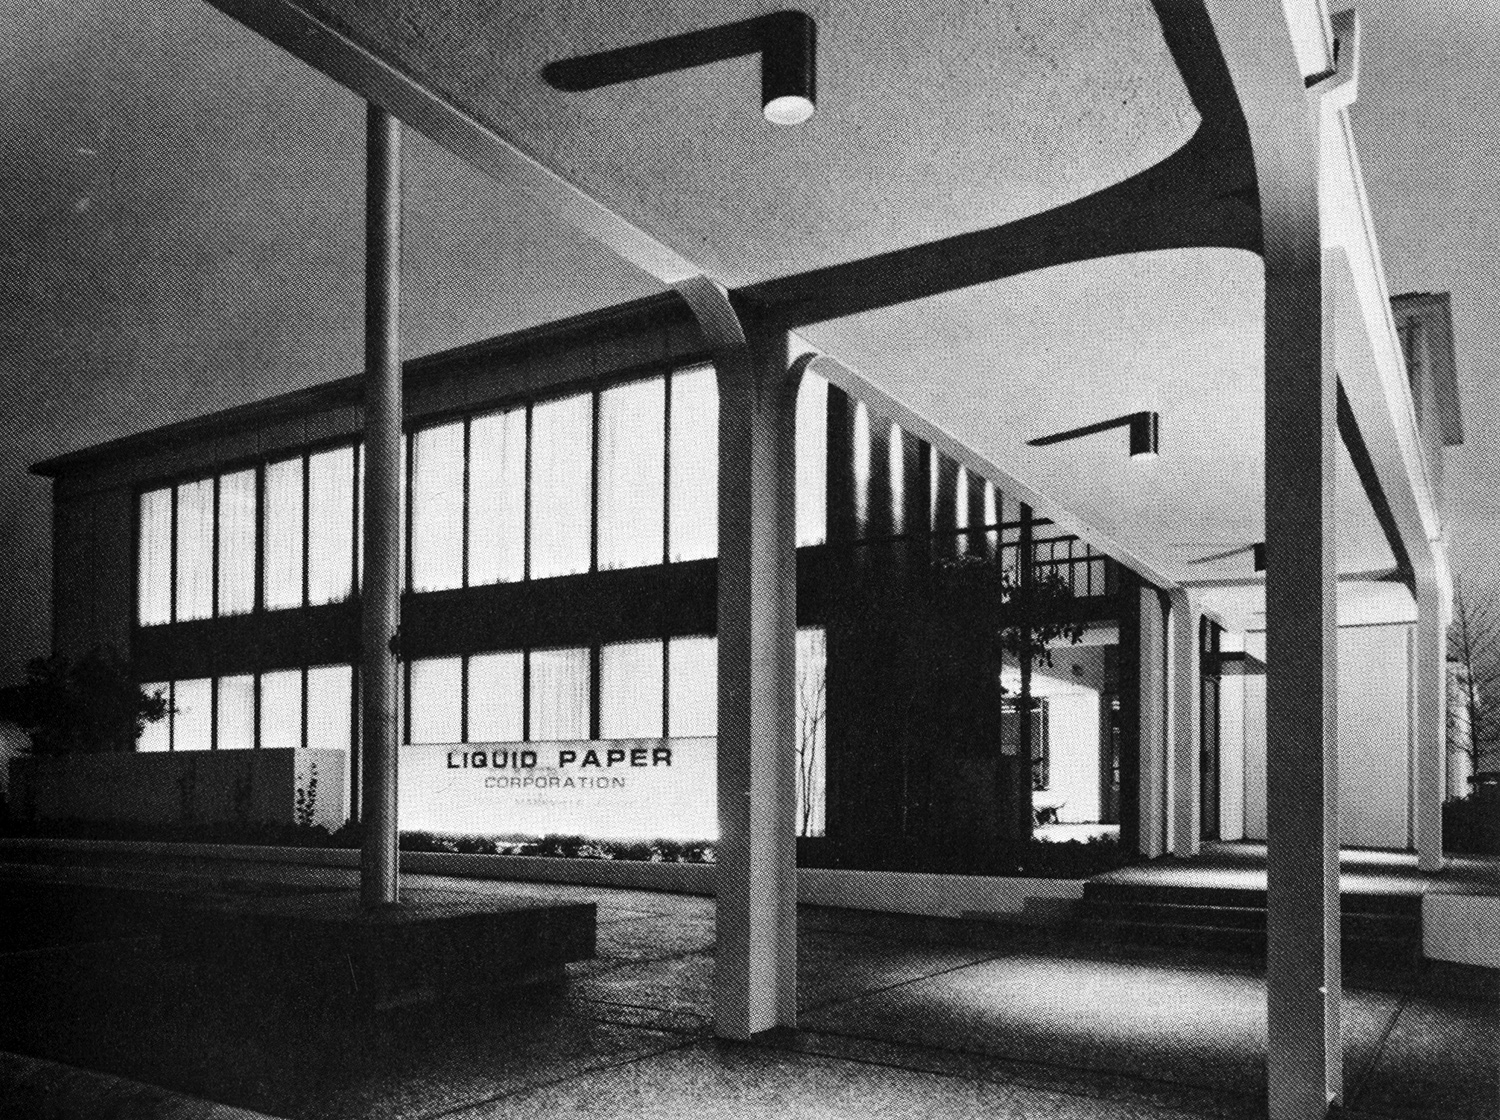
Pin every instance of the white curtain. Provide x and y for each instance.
(496, 691)
(195, 549)
(497, 498)
(437, 512)
(236, 713)
(237, 543)
(157, 736)
(630, 690)
(693, 531)
(812, 460)
(632, 465)
(692, 687)
(561, 486)
(898, 481)
(436, 686)
(192, 725)
(281, 709)
(154, 565)
(283, 534)
(330, 706)
(559, 694)
(330, 525)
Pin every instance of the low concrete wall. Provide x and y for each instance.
(1463, 928)
(206, 787)
(892, 892)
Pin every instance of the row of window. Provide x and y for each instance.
(623, 477)
(620, 690)
(279, 710)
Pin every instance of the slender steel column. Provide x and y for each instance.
(380, 595)
(1183, 666)
(1431, 684)
(1152, 747)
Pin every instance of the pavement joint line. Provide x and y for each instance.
(495, 1098)
(1378, 1051)
(12, 954)
(1017, 1078)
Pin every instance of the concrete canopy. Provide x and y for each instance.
(1003, 223)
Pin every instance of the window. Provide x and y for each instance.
(632, 468)
(860, 451)
(560, 694)
(192, 722)
(281, 710)
(282, 533)
(236, 593)
(157, 736)
(561, 486)
(692, 687)
(437, 512)
(630, 690)
(195, 550)
(496, 692)
(693, 528)
(330, 525)
(497, 498)
(235, 713)
(154, 585)
(330, 707)
(812, 460)
(435, 688)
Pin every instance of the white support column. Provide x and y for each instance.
(1153, 725)
(380, 595)
(1184, 688)
(1304, 1059)
(1431, 685)
(755, 970)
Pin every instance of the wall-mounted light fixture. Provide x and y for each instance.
(786, 41)
(1144, 433)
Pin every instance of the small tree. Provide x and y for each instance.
(1474, 709)
(88, 706)
(812, 708)
(1026, 614)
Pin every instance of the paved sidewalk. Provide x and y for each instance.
(896, 1020)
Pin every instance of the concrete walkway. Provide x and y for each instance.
(900, 1017)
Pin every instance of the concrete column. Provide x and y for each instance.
(1153, 724)
(1303, 970)
(755, 981)
(380, 593)
(1431, 685)
(1184, 689)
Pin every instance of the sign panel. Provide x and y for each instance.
(618, 789)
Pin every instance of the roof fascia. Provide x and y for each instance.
(1380, 398)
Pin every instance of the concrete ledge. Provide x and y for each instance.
(1461, 928)
(895, 892)
(42, 1090)
(938, 896)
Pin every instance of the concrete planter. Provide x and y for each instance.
(197, 787)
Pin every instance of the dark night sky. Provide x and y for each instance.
(182, 232)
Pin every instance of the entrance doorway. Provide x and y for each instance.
(1208, 729)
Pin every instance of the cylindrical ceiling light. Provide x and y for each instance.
(786, 41)
(788, 67)
(1144, 435)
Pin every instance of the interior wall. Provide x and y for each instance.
(1232, 753)
(1073, 684)
(1374, 738)
(1255, 742)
